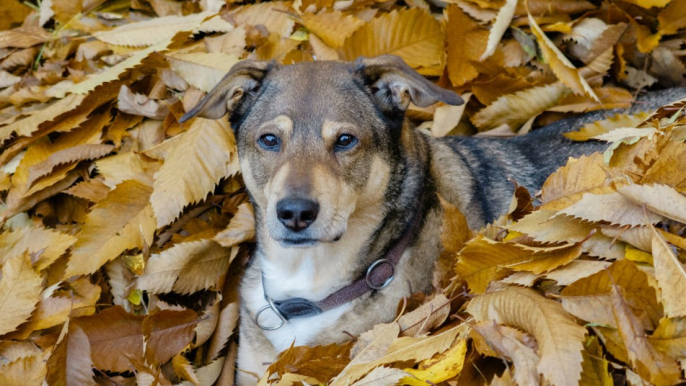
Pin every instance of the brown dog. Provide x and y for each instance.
(345, 193)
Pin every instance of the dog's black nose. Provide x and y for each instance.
(297, 213)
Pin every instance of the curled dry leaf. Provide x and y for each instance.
(561, 66)
(504, 341)
(240, 229)
(137, 104)
(559, 338)
(589, 298)
(647, 361)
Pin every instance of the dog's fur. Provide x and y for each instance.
(367, 194)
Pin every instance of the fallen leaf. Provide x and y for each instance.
(197, 161)
(123, 220)
(670, 275)
(422, 49)
(651, 364)
(20, 288)
(559, 338)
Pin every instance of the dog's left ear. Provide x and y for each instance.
(394, 84)
(233, 91)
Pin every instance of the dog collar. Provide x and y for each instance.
(379, 275)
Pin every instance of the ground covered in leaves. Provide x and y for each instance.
(124, 233)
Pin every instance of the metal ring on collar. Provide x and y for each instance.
(271, 306)
(371, 269)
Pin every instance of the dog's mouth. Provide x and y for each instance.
(304, 242)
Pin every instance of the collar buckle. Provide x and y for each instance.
(272, 306)
(370, 270)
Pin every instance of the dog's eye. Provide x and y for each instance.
(269, 142)
(345, 141)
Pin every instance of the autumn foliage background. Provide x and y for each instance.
(124, 233)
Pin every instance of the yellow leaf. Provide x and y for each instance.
(121, 221)
(559, 338)
(561, 66)
(426, 317)
(412, 34)
(517, 108)
(671, 277)
(404, 349)
(569, 183)
(333, 27)
(20, 289)
(603, 126)
(670, 337)
(465, 44)
(482, 258)
(197, 161)
(447, 365)
(672, 18)
(638, 255)
(647, 4)
(595, 366)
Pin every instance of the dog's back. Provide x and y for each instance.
(531, 158)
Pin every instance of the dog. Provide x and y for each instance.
(345, 192)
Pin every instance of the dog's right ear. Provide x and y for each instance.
(242, 82)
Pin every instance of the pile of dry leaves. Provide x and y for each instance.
(124, 233)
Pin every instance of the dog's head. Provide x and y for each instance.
(318, 141)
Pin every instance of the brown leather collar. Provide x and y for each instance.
(378, 276)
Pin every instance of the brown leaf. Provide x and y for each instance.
(114, 331)
(465, 44)
(167, 333)
(71, 364)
